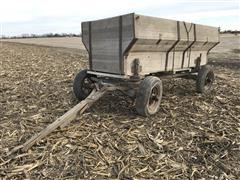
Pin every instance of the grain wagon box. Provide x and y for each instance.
(135, 51)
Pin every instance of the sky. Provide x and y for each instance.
(65, 16)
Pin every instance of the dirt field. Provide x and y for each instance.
(193, 136)
(228, 42)
(67, 42)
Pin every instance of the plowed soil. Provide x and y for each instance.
(193, 136)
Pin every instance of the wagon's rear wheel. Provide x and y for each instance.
(205, 79)
(149, 96)
(83, 85)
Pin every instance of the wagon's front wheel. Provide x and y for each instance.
(149, 96)
(205, 79)
(83, 85)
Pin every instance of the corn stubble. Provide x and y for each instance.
(192, 136)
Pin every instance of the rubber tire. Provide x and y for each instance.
(77, 83)
(143, 95)
(201, 78)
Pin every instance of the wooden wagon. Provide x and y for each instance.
(134, 51)
(131, 53)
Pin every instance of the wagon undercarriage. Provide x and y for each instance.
(136, 52)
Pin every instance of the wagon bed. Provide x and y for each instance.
(116, 44)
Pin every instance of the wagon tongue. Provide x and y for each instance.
(66, 118)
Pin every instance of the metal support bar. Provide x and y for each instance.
(120, 46)
(194, 31)
(171, 48)
(90, 45)
(212, 47)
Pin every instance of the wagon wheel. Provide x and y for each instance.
(83, 85)
(149, 96)
(205, 79)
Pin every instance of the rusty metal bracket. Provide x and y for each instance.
(136, 68)
(198, 62)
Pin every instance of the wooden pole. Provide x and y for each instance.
(64, 119)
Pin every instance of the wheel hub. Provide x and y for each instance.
(154, 98)
(208, 81)
(87, 85)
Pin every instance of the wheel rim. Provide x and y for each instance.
(209, 81)
(87, 85)
(154, 99)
